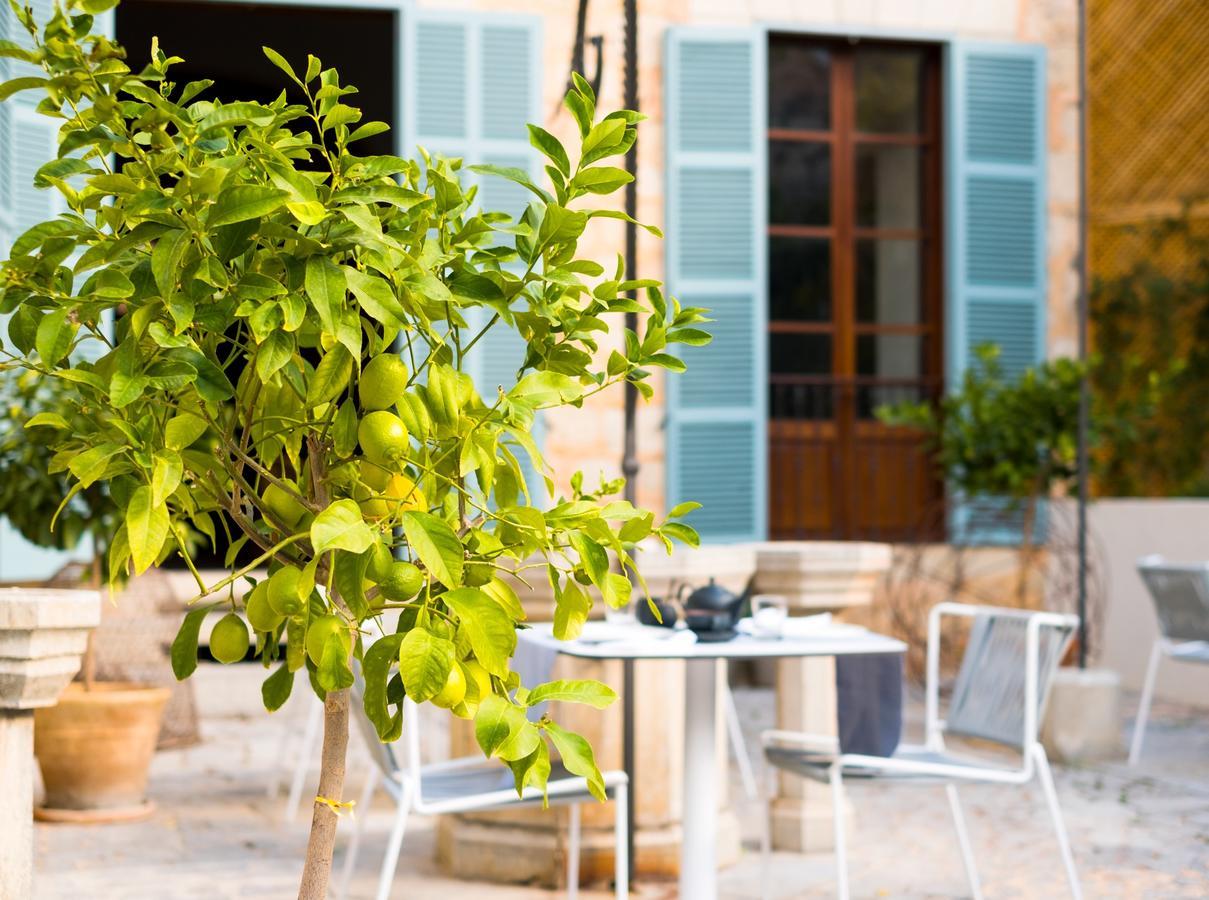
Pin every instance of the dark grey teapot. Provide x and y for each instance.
(713, 610)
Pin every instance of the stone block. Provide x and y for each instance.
(1082, 722)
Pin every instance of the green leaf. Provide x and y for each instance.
(341, 527)
(184, 646)
(146, 528)
(331, 376)
(497, 720)
(591, 693)
(517, 176)
(235, 114)
(680, 510)
(490, 630)
(437, 546)
(275, 690)
(333, 672)
(8, 88)
(166, 258)
(424, 663)
(344, 430)
(603, 135)
(571, 610)
(577, 756)
(54, 336)
(551, 147)
(376, 297)
(381, 655)
(279, 61)
(326, 287)
(601, 179)
(165, 476)
(308, 212)
(243, 202)
(545, 389)
(182, 430)
(92, 463)
(275, 352)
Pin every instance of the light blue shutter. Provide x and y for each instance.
(27, 141)
(477, 83)
(996, 226)
(716, 249)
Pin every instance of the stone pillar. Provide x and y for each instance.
(815, 577)
(43, 634)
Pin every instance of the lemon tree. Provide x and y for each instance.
(287, 367)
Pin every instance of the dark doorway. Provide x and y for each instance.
(223, 41)
(854, 263)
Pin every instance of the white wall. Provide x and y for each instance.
(1124, 530)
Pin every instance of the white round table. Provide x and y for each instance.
(698, 864)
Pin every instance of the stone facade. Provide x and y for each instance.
(591, 439)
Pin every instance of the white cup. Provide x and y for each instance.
(768, 615)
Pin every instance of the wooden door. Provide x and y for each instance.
(854, 267)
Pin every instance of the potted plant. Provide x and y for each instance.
(95, 746)
(291, 369)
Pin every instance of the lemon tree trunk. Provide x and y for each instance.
(318, 869)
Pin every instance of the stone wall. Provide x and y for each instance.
(590, 439)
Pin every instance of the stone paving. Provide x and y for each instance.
(1137, 833)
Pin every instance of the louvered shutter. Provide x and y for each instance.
(996, 226)
(476, 80)
(27, 142)
(716, 196)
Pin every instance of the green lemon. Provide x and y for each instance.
(229, 639)
(288, 591)
(380, 562)
(261, 615)
(283, 505)
(383, 439)
(454, 691)
(482, 678)
(382, 382)
(318, 632)
(402, 582)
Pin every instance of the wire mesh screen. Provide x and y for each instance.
(1148, 86)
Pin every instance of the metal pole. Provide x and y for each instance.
(1084, 386)
(629, 460)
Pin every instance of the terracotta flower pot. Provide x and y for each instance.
(94, 749)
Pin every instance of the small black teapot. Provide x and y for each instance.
(713, 610)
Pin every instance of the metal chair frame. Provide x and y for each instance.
(405, 784)
(1183, 632)
(935, 764)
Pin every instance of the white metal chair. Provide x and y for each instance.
(999, 696)
(1181, 601)
(465, 784)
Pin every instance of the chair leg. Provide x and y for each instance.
(573, 852)
(302, 765)
(837, 817)
(391, 861)
(739, 748)
(963, 841)
(1051, 798)
(770, 791)
(621, 843)
(1139, 727)
(360, 811)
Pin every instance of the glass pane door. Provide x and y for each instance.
(854, 283)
